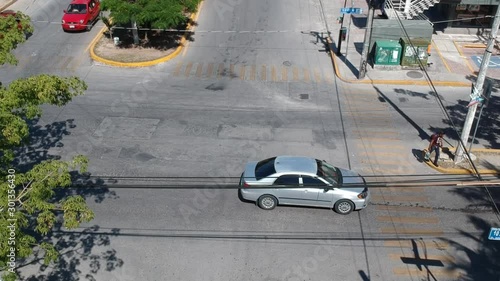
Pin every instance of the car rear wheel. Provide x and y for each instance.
(344, 207)
(267, 202)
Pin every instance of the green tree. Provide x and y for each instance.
(157, 14)
(27, 199)
(13, 30)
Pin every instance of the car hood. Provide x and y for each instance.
(352, 180)
(73, 17)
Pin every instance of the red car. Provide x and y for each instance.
(80, 15)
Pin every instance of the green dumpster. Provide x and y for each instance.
(387, 52)
(419, 49)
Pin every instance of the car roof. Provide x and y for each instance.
(300, 164)
(79, 2)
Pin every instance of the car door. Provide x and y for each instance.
(289, 196)
(93, 9)
(314, 187)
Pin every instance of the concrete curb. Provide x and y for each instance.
(465, 171)
(177, 51)
(7, 5)
(391, 82)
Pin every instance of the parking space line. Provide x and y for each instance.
(199, 70)
(411, 231)
(210, 70)
(274, 77)
(187, 72)
(242, 71)
(231, 71)
(253, 72)
(392, 219)
(177, 70)
(263, 74)
(408, 244)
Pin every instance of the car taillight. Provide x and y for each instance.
(362, 195)
(245, 184)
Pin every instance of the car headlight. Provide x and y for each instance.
(81, 21)
(63, 21)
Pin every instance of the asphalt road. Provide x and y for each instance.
(235, 96)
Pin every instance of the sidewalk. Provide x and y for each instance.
(4, 4)
(451, 60)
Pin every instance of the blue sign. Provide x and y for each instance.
(494, 61)
(494, 234)
(351, 10)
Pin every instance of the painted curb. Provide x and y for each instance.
(7, 5)
(465, 171)
(177, 51)
(391, 82)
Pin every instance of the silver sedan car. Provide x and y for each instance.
(303, 181)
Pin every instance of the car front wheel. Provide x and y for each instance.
(267, 202)
(344, 207)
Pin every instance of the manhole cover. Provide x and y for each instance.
(414, 74)
(304, 96)
(287, 63)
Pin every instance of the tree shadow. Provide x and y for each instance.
(481, 262)
(41, 139)
(76, 249)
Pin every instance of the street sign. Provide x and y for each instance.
(494, 234)
(351, 10)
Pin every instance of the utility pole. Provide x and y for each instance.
(478, 89)
(366, 42)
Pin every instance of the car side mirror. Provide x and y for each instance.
(328, 188)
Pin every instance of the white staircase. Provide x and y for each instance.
(407, 9)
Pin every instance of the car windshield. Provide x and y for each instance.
(76, 9)
(328, 172)
(265, 168)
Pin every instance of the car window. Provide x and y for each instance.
(287, 180)
(310, 181)
(265, 168)
(328, 172)
(77, 9)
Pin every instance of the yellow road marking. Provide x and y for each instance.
(307, 78)
(177, 69)
(284, 73)
(220, 71)
(188, 69)
(274, 77)
(199, 70)
(404, 271)
(412, 231)
(421, 244)
(210, 70)
(253, 72)
(263, 74)
(441, 56)
(403, 208)
(442, 258)
(231, 71)
(185, 48)
(465, 58)
(392, 198)
(407, 219)
(317, 76)
(295, 73)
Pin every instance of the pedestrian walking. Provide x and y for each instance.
(435, 145)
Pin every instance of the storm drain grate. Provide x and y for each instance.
(304, 96)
